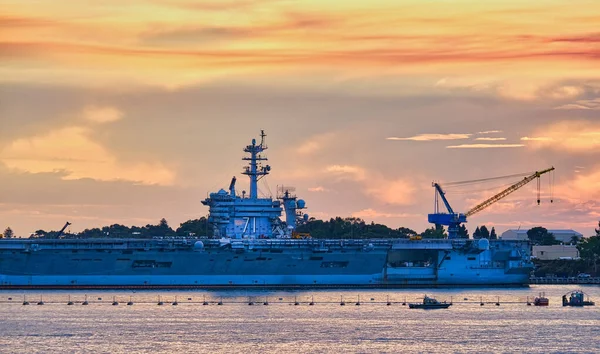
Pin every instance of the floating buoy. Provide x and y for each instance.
(41, 302)
(115, 303)
(358, 301)
(175, 303)
(70, 303)
(25, 302)
(498, 302)
(85, 303)
(296, 303)
(312, 301)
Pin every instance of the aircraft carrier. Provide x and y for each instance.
(253, 246)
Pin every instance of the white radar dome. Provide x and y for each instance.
(198, 245)
(301, 204)
(483, 244)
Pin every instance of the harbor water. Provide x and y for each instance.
(290, 324)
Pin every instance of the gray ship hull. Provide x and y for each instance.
(259, 263)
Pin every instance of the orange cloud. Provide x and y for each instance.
(430, 137)
(102, 114)
(73, 151)
(484, 146)
(374, 214)
(571, 135)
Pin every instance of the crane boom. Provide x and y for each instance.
(479, 207)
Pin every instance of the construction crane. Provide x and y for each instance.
(453, 219)
(60, 233)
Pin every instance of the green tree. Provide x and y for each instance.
(196, 227)
(477, 233)
(540, 236)
(38, 234)
(485, 233)
(162, 229)
(435, 232)
(493, 235)
(405, 232)
(462, 231)
(589, 251)
(8, 233)
(598, 229)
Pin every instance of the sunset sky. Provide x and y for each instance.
(130, 111)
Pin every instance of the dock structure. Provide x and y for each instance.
(308, 300)
(564, 280)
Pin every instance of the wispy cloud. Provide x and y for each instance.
(318, 189)
(536, 138)
(490, 132)
(347, 171)
(484, 146)
(490, 139)
(432, 137)
(593, 104)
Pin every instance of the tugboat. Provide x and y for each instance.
(430, 303)
(541, 300)
(577, 299)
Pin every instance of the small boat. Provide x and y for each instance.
(541, 300)
(577, 299)
(430, 303)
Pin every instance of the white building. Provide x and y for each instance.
(563, 236)
(547, 253)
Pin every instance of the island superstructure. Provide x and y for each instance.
(249, 216)
(254, 247)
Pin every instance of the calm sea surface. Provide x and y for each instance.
(283, 327)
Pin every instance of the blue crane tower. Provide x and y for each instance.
(453, 219)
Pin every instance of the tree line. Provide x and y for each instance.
(191, 228)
